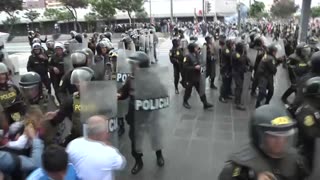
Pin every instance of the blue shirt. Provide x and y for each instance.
(40, 174)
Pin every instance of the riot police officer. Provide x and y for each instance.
(108, 35)
(176, 58)
(270, 153)
(307, 116)
(71, 106)
(192, 70)
(315, 71)
(225, 71)
(240, 65)
(139, 60)
(266, 71)
(12, 106)
(34, 94)
(258, 44)
(102, 58)
(50, 48)
(79, 59)
(38, 62)
(211, 61)
(297, 67)
(56, 67)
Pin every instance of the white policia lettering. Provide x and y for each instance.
(152, 104)
(122, 77)
(112, 124)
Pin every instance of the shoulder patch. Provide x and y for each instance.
(238, 55)
(184, 59)
(178, 53)
(308, 121)
(227, 51)
(61, 82)
(170, 54)
(236, 171)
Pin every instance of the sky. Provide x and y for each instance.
(299, 2)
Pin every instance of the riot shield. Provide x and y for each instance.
(75, 46)
(203, 70)
(99, 98)
(85, 42)
(147, 40)
(99, 68)
(121, 45)
(280, 46)
(142, 42)
(151, 106)
(123, 72)
(132, 48)
(315, 175)
(151, 48)
(252, 54)
(184, 46)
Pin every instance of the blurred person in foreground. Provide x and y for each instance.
(93, 156)
(54, 166)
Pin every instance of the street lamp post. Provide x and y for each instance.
(171, 10)
(150, 11)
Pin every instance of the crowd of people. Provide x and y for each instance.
(50, 129)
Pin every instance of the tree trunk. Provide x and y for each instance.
(130, 18)
(76, 19)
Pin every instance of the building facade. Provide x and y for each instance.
(33, 4)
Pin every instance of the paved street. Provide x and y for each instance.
(197, 142)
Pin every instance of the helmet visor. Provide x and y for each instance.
(276, 143)
(30, 92)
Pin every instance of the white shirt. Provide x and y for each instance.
(94, 160)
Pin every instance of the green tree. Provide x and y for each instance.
(257, 9)
(11, 7)
(315, 11)
(61, 14)
(130, 6)
(31, 15)
(71, 5)
(105, 8)
(91, 19)
(284, 8)
(142, 15)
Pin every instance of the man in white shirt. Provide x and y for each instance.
(92, 156)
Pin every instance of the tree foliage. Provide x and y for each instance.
(315, 11)
(257, 9)
(105, 8)
(61, 14)
(10, 6)
(141, 14)
(130, 6)
(284, 8)
(71, 5)
(32, 15)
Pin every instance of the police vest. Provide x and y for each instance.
(7, 97)
(250, 158)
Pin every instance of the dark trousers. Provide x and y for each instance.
(55, 80)
(187, 93)
(254, 83)
(176, 75)
(211, 71)
(130, 121)
(289, 91)
(46, 81)
(266, 90)
(238, 80)
(225, 89)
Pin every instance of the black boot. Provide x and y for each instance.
(240, 107)
(160, 160)
(138, 165)
(206, 105)
(177, 90)
(223, 100)
(121, 129)
(186, 105)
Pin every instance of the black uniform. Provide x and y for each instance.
(65, 86)
(240, 65)
(176, 58)
(40, 66)
(192, 75)
(56, 62)
(266, 72)
(226, 73)
(211, 65)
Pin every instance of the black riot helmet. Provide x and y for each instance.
(271, 121)
(258, 42)
(239, 48)
(108, 35)
(31, 86)
(192, 46)
(140, 58)
(208, 39)
(303, 50)
(272, 49)
(4, 70)
(193, 38)
(79, 59)
(222, 40)
(78, 37)
(315, 62)
(175, 42)
(229, 43)
(311, 91)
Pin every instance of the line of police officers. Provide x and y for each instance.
(67, 69)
